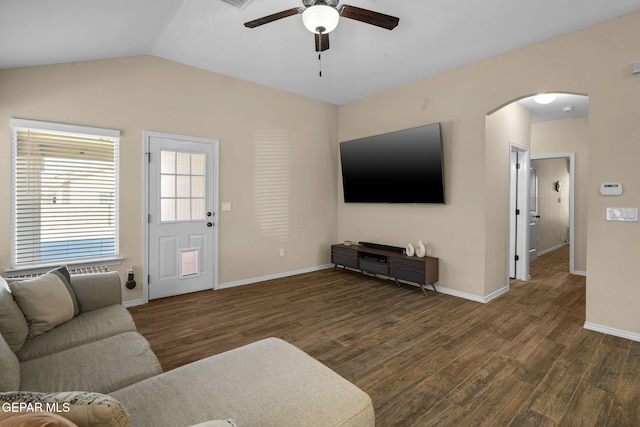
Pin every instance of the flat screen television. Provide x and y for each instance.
(398, 167)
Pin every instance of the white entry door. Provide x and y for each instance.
(182, 190)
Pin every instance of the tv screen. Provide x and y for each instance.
(397, 167)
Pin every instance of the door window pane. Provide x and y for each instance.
(182, 186)
(167, 210)
(197, 209)
(197, 164)
(168, 162)
(183, 163)
(168, 186)
(197, 186)
(183, 209)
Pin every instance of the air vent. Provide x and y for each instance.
(240, 4)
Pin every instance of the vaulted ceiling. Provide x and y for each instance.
(433, 36)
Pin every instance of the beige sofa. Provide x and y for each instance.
(266, 383)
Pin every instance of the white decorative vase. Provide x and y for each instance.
(410, 250)
(421, 250)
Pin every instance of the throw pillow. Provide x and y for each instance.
(13, 325)
(46, 301)
(85, 409)
(33, 419)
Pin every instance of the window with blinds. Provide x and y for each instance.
(65, 194)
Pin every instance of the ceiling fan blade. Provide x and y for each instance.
(368, 16)
(322, 42)
(274, 17)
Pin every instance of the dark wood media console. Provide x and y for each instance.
(396, 265)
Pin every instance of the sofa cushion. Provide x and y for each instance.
(97, 290)
(101, 366)
(9, 368)
(85, 409)
(86, 327)
(46, 301)
(267, 383)
(13, 325)
(33, 419)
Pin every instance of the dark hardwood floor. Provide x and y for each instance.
(523, 359)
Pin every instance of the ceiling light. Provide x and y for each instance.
(545, 98)
(320, 18)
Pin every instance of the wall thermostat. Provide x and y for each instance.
(611, 189)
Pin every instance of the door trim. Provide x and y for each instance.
(572, 180)
(147, 135)
(533, 246)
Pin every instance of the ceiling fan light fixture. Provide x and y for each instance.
(545, 98)
(320, 18)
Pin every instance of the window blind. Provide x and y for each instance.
(65, 196)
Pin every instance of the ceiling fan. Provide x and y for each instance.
(322, 16)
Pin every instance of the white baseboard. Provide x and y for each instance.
(579, 273)
(553, 248)
(473, 297)
(272, 276)
(495, 294)
(448, 291)
(612, 331)
(382, 276)
(460, 294)
(133, 302)
(258, 279)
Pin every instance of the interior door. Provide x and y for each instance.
(518, 208)
(513, 208)
(181, 256)
(534, 215)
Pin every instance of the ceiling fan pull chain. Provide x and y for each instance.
(320, 31)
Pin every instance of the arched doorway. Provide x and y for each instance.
(556, 129)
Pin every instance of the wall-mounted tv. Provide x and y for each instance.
(398, 167)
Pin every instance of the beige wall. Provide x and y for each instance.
(553, 206)
(510, 124)
(595, 61)
(134, 94)
(454, 232)
(570, 136)
(147, 93)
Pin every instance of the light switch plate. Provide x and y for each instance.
(226, 206)
(622, 214)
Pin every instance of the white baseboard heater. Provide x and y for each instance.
(80, 270)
